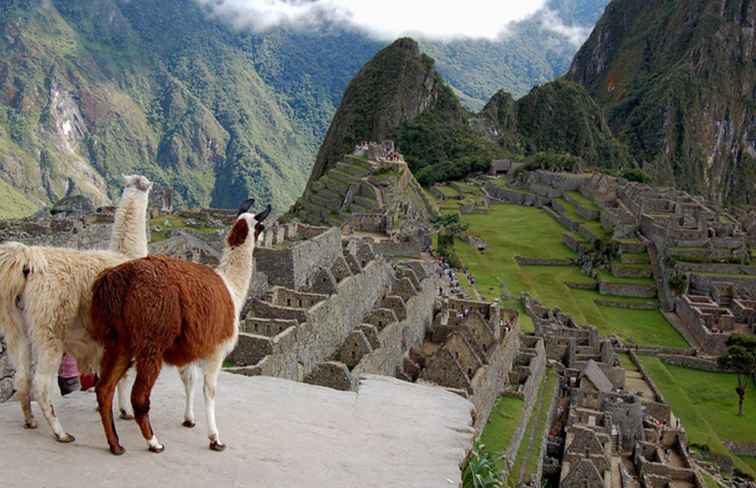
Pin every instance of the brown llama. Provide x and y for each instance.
(161, 309)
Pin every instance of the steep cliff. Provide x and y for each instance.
(677, 80)
(397, 85)
(558, 117)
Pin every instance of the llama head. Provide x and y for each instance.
(137, 182)
(244, 220)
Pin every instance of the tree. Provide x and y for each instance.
(740, 358)
(449, 225)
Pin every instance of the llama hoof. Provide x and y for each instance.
(126, 416)
(31, 424)
(189, 424)
(65, 439)
(157, 449)
(117, 450)
(217, 446)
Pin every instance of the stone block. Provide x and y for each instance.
(331, 374)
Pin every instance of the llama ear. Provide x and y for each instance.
(245, 206)
(264, 214)
(238, 233)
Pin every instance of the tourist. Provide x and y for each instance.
(68, 375)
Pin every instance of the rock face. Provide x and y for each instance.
(676, 80)
(396, 86)
(560, 117)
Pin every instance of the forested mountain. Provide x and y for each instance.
(677, 81)
(93, 89)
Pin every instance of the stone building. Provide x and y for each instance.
(606, 436)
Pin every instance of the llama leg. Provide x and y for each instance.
(212, 369)
(114, 365)
(48, 362)
(19, 350)
(188, 378)
(124, 406)
(148, 370)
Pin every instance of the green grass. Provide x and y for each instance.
(504, 419)
(175, 222)
(707, 405)
(569, 211)
(584, 202)
(13, 204)
(649, 327)
(513, 230)
(528, 454)
(596, 229)
(749, 460)
(626, 362)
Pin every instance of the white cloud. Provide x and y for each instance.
(385, 19)
(575, 34)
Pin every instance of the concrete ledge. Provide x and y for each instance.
(279, 433)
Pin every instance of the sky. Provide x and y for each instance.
(384, 19)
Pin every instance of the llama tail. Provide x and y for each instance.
(18, 262)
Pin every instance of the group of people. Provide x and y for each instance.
(445, 270)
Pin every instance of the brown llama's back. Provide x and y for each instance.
(163, 306)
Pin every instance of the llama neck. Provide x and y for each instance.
(129, 235)
(236, 267)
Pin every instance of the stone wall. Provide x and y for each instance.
(369, 222)
(525, 261)
(489, 381)
(293, 264)
(6, 374)
(517, 197)
(398, 337)
(322, 328)
(692, 362)
(626, 305)
(627, 290)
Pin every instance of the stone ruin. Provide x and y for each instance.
(374, 151)
(602, 434)
(712, 318)
(694, 247)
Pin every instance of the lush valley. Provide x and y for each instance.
(91, 90)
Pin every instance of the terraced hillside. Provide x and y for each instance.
(363, 192)
(549, 272)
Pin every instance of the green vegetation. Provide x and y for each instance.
(695, 395)
(741, 358)
(512, 230)
(14, 205)
(504, 419)
(561, 117)
(440, 145)
(169, 223)
(530, 448)
(481, 470)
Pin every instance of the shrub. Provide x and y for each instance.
(481, 471)
(635, 174)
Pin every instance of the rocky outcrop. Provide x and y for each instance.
(559, 117)
(397, 85)
(676, 80)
